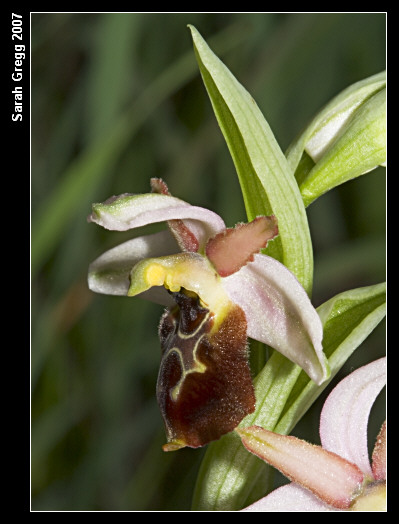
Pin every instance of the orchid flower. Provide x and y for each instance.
(219, 290)
(337, 475)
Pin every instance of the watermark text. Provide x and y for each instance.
(19, 57)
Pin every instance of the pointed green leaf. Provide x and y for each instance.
(266, 179)
(334, 115)
(229, 473)
(345, 140)
(361, 148)
(348, 319)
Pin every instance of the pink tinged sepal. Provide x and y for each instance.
(379, 458)
(343, 420)
(126, 211)
(279, 313)
(235, 247)
(290, 497)
(110, 272)
(333, 479)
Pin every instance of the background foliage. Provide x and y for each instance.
(117, 99)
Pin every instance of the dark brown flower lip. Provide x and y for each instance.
(204, 386)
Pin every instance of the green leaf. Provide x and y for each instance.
(360, 149)
(266, 179)
(348, 319)
(334, 114)
(345, 140)
(229, 473)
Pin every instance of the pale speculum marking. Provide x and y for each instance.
(204, 386)
(191, 324)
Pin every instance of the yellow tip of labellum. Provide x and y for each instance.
(174, 445)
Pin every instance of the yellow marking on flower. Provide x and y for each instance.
(155, 275)
(173, 445)
(374, 499)
(190, 271)
(196, 367)
(171, 282)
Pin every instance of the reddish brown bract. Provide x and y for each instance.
(204, 385)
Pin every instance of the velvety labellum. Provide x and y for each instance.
(204, 386)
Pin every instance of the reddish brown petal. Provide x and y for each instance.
(379, 457)
(233, 248)
(204, 386)
(159, 186)
(184, 236)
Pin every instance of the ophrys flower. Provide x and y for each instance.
(219, 290)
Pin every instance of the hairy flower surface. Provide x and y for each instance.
(219, 289)
(337, 475)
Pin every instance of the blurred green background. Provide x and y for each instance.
(118, 99)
